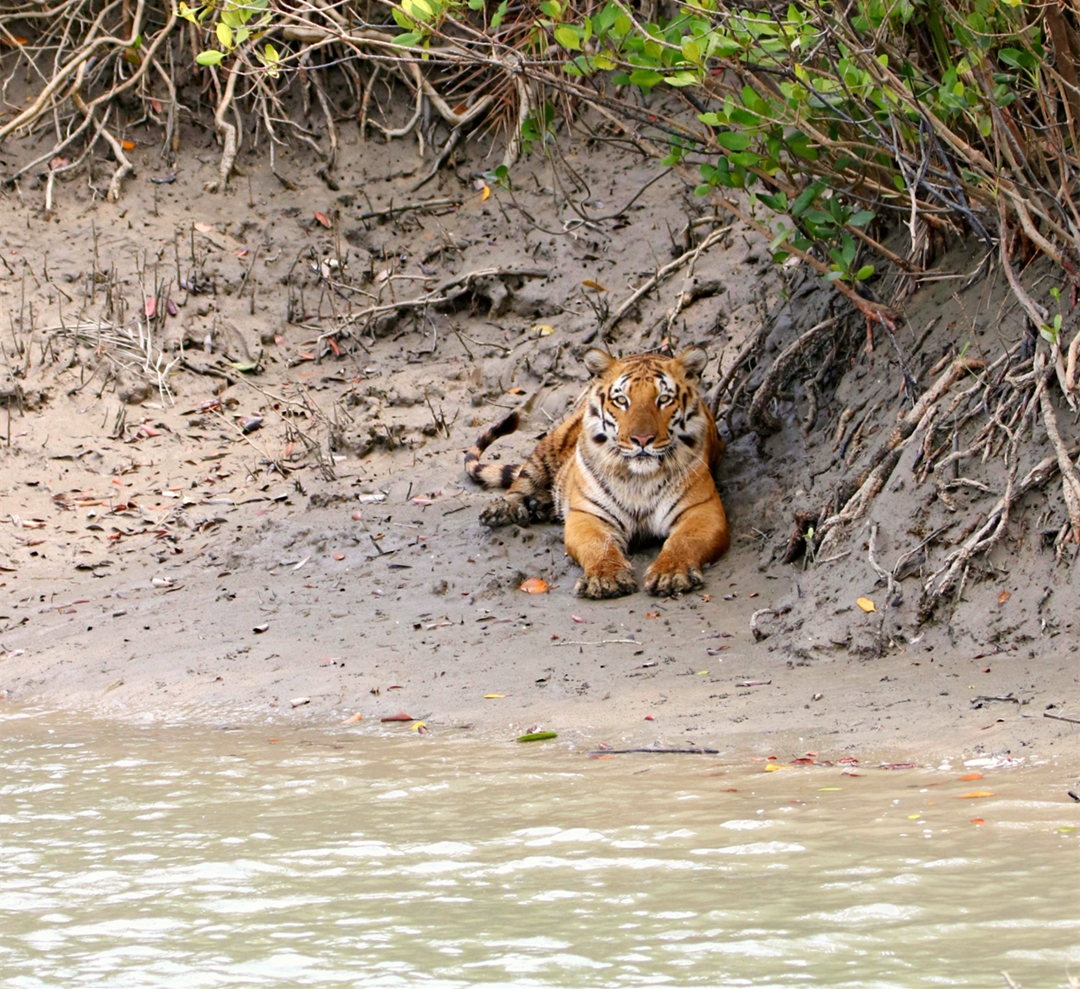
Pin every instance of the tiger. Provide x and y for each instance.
(634, 460)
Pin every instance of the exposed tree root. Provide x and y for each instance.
(227, 133)
(762, 421)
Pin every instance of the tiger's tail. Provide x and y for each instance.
(492, 475)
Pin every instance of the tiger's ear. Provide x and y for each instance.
(598, 361)
(694, 361)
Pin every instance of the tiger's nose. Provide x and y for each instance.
(643, 441)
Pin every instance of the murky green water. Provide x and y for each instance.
(194, 858)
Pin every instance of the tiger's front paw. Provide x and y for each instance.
(665, 580)
(607, 582)
(504, 511)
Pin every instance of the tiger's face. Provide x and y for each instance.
(644, 414)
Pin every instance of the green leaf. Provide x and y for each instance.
(538, 736)
(733, 140)
(210, 58)
(862, 218)
(806, 197)
(567, 37)
(776, 202)
(244, 367)
(551, 8)
(864, 272)
(645, 78)
(224, 34)
(702, 190)
(603, 62)
(410, 39)
(681, 79)
(691, 51)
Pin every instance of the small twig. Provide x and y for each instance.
(601, 642)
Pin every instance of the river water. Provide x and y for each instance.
(184, 857)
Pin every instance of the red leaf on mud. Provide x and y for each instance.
(971, 776)
(156, 106)
(975, 794)
(1004, 596)
(579, 619)
(339, 556)
(534, 585)
(147, 430)
(353, 717)
(323, 219)
(128, 145)
(400, 716)
(847, 760)
(977, 821)
(170, 307)
(150, 308)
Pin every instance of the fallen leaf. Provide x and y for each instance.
(155, 105)
(353, 718)
(974, 794)
(534, 585)
(400, 716)
(1004, 596)
(58, 162)
(543, 329)
(485, 195)
(977, 821)
(300, 701)
(866, 604)
(595, 286)
(515, 391)
(493, 697)
(339, 556)
(323, 219)
(652, 614)
(970, 776)
(537, 736)
(579, 620)
(420, 727)
(128, 145)
(203, 228)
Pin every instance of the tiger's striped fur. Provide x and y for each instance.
(634, 460)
